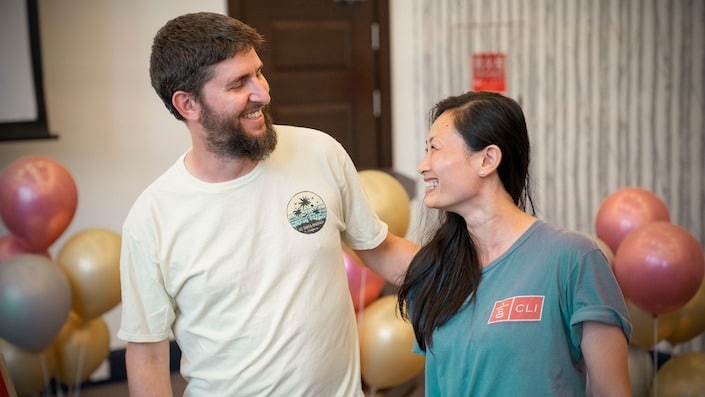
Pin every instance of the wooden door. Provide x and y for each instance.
(327, 63)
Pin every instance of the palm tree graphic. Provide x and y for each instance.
(305, 206)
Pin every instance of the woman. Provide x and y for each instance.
(503, 304)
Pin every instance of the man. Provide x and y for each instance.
(236, 248)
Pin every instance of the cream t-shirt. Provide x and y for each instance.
(248, 273)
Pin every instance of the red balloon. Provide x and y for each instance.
(659, 267)
(365, 285)
(625, 210)
(38, 199)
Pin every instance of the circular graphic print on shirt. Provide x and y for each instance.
(306, 212)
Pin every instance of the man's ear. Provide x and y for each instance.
(186, 105)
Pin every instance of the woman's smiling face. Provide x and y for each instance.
(449, 168)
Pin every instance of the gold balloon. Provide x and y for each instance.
(91, 261)
(689, 320)
(643, 324)
(388, 198)
(681, 376)
(80, 349)
(386, 343)
(30, 372)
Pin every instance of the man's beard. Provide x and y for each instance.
(230, 140)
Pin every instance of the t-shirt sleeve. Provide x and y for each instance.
(596, 296)
(147, 308)
(363, 228)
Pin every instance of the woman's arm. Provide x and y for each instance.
(606, 354)
(390, 259)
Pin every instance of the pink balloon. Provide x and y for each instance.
(365, 285)
(625, 210)
(659, 267)
(38, 199)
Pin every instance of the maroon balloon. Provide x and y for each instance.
(625, 210)
(365, 285)
(659, 267)
(38, 199)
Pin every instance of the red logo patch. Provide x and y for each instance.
(517, 308)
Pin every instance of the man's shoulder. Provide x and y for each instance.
(307, 144)
(167, 184)
(305, 134)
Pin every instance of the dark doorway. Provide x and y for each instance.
(327, 63)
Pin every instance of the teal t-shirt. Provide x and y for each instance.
(521, 334)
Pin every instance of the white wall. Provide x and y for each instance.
(115, 135)
(406, 148)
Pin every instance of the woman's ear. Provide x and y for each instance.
(186, 105)
(491, 157)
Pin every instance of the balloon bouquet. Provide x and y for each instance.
(50, 310)
(660, 268)
(386, 341)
